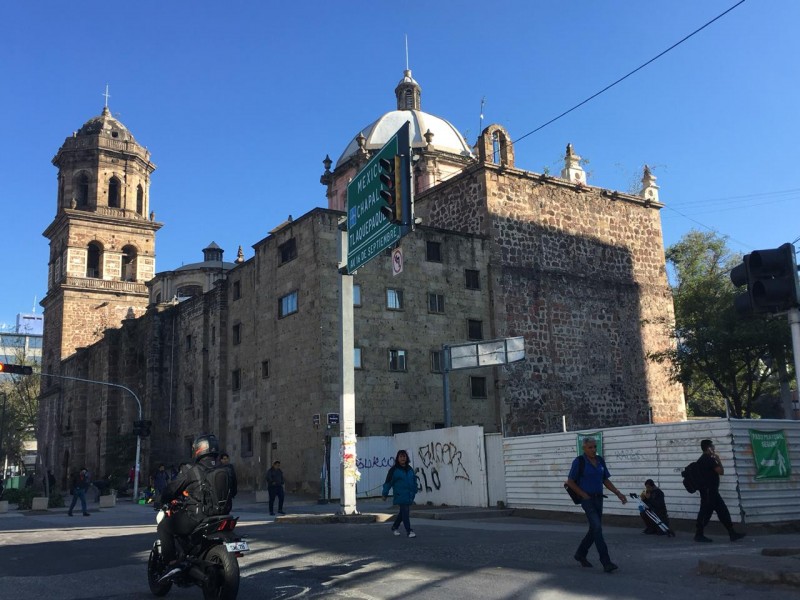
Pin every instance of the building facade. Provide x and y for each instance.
(578, 271)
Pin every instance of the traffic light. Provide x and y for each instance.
(142, 428)
(392, 188)
(16, 369)
(771, 279)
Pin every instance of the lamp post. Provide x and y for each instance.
(139, 404)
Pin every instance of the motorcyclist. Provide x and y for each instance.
(205, 451)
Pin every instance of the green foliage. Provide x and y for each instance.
(718, 355)
(56, 500)
(23, 498)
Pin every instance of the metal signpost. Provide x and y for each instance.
(379, 213)
(477, 354)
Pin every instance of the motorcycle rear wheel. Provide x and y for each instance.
(155, 569)
(223, 575)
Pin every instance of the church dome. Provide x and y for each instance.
(107, 126)
(446, 137)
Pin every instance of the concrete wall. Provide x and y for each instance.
(450, 465)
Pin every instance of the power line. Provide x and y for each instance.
(623, 78)
(608, 87)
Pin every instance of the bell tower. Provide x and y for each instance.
(102, 239)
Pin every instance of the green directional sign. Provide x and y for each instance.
(770, 454)
(369, 230)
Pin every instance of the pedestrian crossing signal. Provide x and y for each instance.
(16, 369)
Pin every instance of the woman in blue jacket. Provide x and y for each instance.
(402, 480)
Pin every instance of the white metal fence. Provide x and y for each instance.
(537, 466)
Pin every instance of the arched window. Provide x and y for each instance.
(94, 255)
(129, 263)
(113, 193)
(82, 190)
(496, 147)
(139, 200)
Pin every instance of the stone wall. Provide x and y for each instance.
(579, 272)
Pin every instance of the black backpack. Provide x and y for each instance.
(211, 489)
(692, 477)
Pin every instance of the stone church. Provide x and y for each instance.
(249, 349)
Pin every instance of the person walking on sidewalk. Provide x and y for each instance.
(80, 483)
(709, 469)
(402, 480)
(275, 487)
(587, 477)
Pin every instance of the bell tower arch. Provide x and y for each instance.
(102, 244)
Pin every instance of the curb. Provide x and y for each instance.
(758, 569)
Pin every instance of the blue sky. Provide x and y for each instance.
(239, 102)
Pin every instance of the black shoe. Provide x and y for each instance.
(69, 514)
(583, 561)
(86, 514)
(701, 538)
(735, 535)
(280, 512)
(610, 568)
(272, 513)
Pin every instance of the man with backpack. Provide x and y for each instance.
(709, 468)
(204, 488)
(586, 479)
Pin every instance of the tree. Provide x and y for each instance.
(20, 396)
(715, 349)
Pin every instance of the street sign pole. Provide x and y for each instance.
(347, 400)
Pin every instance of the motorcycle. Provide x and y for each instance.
(207, 557)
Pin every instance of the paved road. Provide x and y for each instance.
(52, 556)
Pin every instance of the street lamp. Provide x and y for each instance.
(138, 438)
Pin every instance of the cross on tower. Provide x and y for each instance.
(107, 95)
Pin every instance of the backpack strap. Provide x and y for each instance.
(581, 467)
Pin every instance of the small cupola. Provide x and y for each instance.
(212, 253)
(408, 93)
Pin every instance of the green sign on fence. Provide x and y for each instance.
(598, 437)
(771, 454)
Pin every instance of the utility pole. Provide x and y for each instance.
(138, 403)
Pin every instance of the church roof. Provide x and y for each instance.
(445, 136)
(106, 125)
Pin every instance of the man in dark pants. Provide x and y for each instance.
(182, 521)
(710, 468)
(588, 483)
(275, 487)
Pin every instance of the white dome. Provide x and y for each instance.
(445, 137)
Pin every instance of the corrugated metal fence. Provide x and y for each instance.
(537, 466)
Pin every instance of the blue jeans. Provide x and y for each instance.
(593, 507)
(78, 493)
(403, 516)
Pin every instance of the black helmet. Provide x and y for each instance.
(205, 445)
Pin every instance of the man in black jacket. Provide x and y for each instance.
(710, 467)
(275, 487)
(225, 461)
(205, 450)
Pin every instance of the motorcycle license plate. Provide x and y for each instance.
(237, 546)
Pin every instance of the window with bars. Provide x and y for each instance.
(435, 303)
(397, 360)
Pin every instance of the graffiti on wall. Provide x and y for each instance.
(376, 462)
(435, 457)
